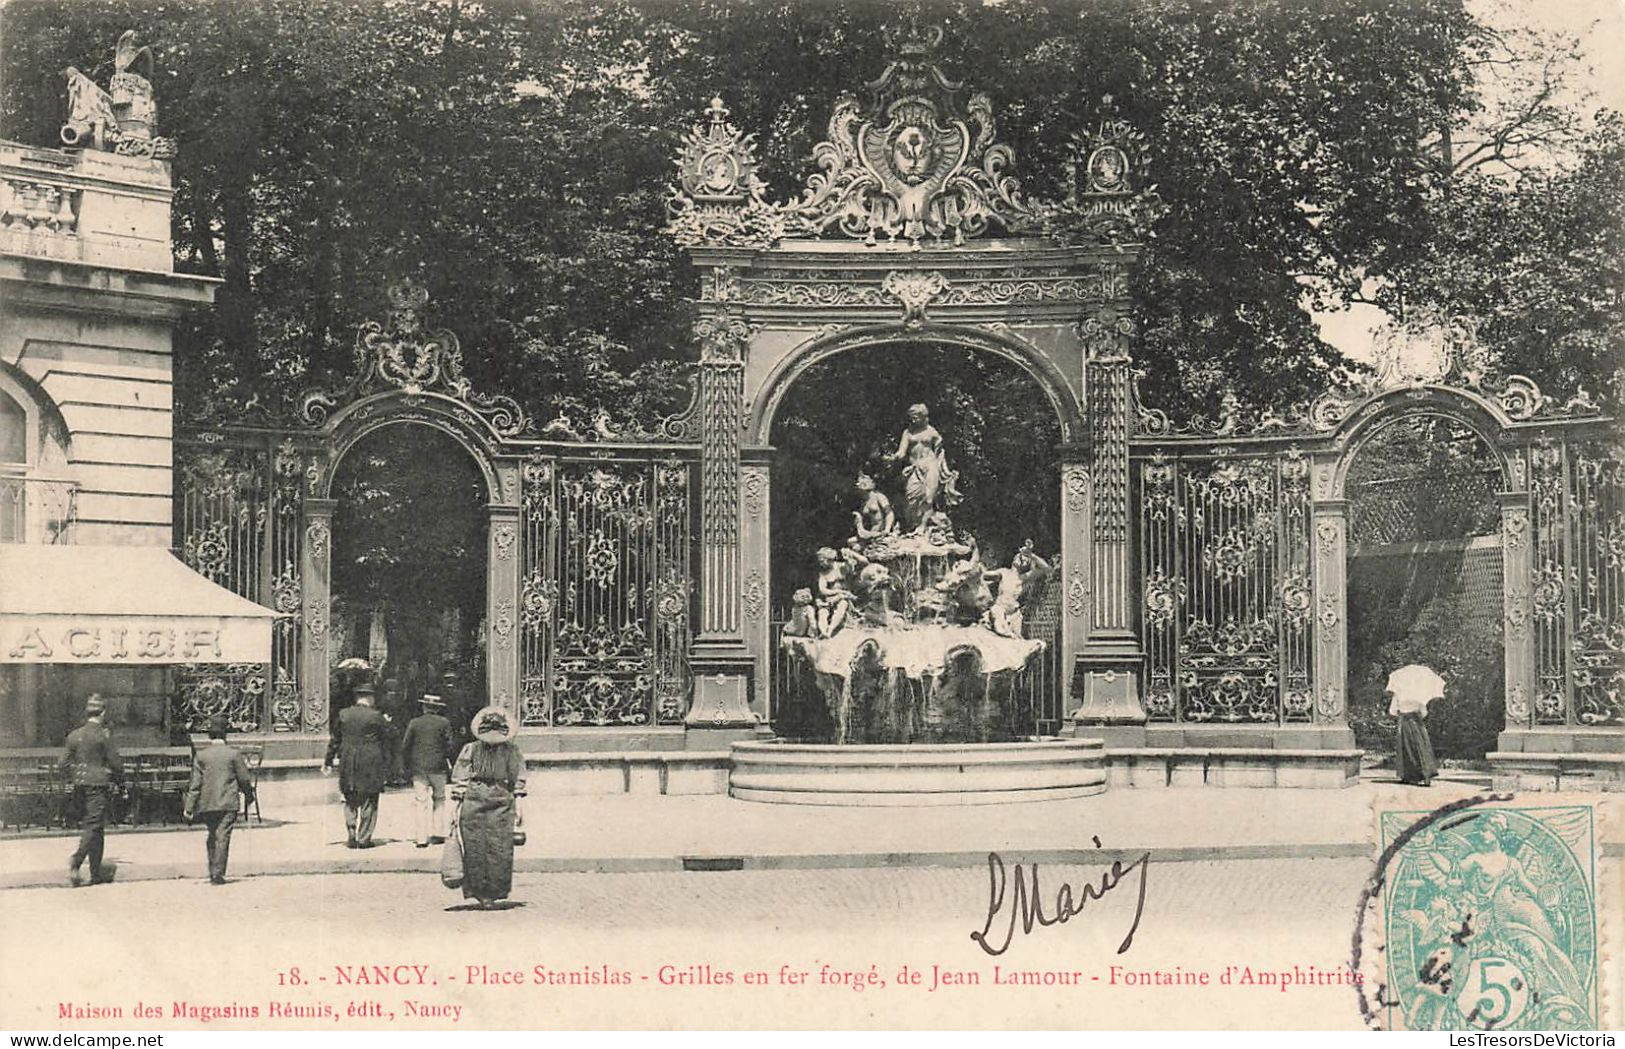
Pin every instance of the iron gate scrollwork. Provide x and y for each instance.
(1578, 582)
(607, 592)
(238, 524)
(1227, 592)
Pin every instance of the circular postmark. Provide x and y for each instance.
(1479, 915)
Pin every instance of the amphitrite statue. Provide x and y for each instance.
(928, 484)
(120, 120)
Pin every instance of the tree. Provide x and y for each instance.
(514, 157)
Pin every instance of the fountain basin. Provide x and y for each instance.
(917, 774)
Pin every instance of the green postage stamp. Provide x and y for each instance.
(1483, 915)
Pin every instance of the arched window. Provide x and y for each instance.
(13, 430)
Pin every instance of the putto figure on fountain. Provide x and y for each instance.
(834, 600)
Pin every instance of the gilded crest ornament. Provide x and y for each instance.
(1111, 195)
(404, 356)
(913, 164)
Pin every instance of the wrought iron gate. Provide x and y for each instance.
(606, 599)
(1225, 555)
(237, 523)
(1578, 582)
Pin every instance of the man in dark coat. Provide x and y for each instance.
(427, 749)
(219, 782)
(360, 745)
(93, 759)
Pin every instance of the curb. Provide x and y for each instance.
(129, 871)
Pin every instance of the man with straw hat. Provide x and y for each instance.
(427, 750)
(93, 759)
(360, 745)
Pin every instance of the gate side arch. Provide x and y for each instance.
(1485, 420)
(348, 427)
(764, 402)
(1440, 402)
(337, 438)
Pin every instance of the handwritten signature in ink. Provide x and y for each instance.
(1026, 904)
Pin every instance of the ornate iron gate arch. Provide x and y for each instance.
(356, 422)
(1387, 408)
(256, 515)
(826, 344)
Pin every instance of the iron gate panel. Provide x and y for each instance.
(607, 593)
(237, 524)
(1227, 590)
(1578, 576)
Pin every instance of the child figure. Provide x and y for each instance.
(802, 622)
(834, 599)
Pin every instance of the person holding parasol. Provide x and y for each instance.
(1410, 689)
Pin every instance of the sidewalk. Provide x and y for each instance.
(628, 833)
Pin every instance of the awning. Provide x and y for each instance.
(121, 604)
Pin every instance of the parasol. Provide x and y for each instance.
(1416, 685)
(353, 663)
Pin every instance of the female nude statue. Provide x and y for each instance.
(927, 481)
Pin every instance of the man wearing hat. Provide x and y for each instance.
(93, 759)
(219, 782)
(360, 745)
(427, 751)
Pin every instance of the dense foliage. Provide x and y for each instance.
(514, 156)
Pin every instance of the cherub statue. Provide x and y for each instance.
(834, 600)
(1004, 616)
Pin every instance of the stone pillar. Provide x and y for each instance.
(755, 504)
(1517, 556)
(316, 581)
(1331, 612)
(723, 665)
(1072, 571)
(1112, 660)
(502, 607)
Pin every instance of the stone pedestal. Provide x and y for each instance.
(724, 679)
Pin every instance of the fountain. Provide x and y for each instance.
(917, 651)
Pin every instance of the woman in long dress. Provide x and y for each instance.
(926, 477)
(1413, 688)
(486, 782)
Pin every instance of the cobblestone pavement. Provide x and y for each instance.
(657, 947)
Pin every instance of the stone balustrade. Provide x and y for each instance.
(36, 509)
(85, 206)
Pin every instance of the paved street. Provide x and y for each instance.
(701, 927)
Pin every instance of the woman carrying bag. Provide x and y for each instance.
(486, 783)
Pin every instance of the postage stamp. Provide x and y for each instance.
(1483, 915)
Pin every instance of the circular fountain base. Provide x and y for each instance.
(917, 774)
